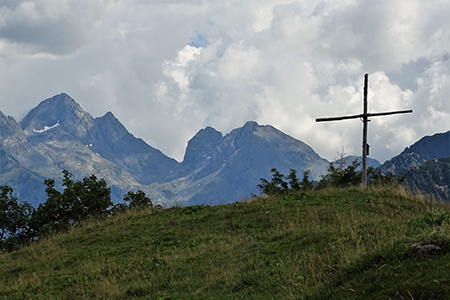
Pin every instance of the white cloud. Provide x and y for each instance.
(169, 68)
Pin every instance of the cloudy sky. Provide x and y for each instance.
(167, 68)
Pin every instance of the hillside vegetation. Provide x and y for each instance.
(327, 244)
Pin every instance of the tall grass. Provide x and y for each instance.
(328, 244)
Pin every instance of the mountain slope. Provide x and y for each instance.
(340, 244)
(60, 128)
(437, 145)
(14, 142)
(58, 134)
(432, 177)
(225, 169)
(61, 120)
(28, 185)
(428, 147)
(112, 141)
(424, 166)
(21, 165)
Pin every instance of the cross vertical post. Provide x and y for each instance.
(365, 119)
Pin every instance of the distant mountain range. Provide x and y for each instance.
(58, 134)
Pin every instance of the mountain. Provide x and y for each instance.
(59, 117)
(58, 134)
(112, 141)
(28, 185)
(59, 125)
(425, 165)
(221, 169)
(14, 142)
(59, 128)
(432, 177)
(428, 147)
(437, 145)
(21, 165)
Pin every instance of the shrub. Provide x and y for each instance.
(341, 176)
(138, 200)
(278, 185)
(80, 200)
(14, 220)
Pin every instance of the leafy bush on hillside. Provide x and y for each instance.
(80, 200)
(20, 223)
(14, 219)
(138, 200)
(339, 176)
(278, 186)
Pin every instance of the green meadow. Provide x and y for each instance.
(326, 244)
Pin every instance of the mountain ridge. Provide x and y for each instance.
(424, 166)
(426, 148)
(59, 131)
(58, 134)
(231, 166)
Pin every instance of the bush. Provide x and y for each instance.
(375, 177)
(278, 186)
(341, 176)
(138, 200)
(80, 200)
(14, 220)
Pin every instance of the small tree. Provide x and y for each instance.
(138, 200)
(294, 184)
(80, 200)
(306, 184)
(95, 196)
(340, 176)
(14, 219)
(377, 178)
(278, 185)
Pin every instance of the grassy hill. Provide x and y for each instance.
(330, 244)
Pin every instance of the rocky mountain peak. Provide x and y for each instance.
(61, 112)
(12, 138)
(202, 144)
(8, 126)
(109, 116)
(110, 127)
(251, 126)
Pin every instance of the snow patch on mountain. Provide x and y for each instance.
(46, 128)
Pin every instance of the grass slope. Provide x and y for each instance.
(331, 244)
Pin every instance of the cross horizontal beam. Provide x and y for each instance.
(368, 115)
(365, 119)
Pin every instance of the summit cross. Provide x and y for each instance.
(365, 119)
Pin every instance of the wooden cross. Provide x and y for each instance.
(365, 119)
